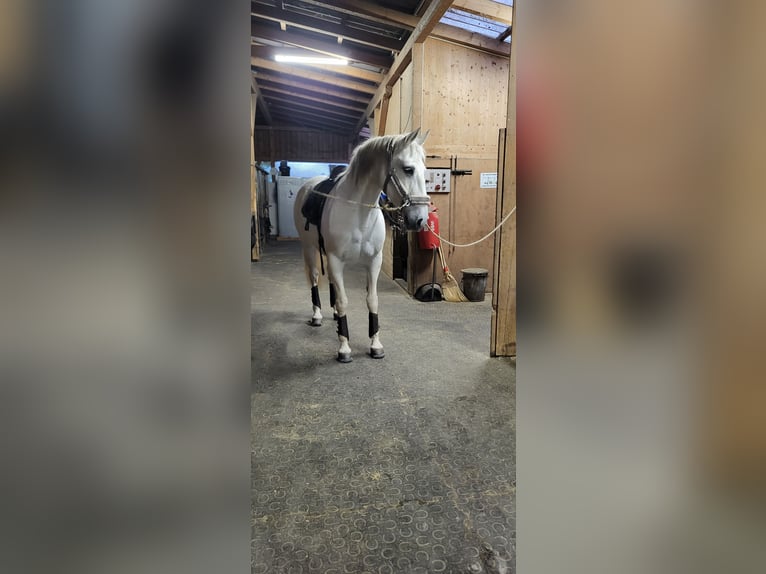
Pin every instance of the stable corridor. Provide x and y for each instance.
(404, 464)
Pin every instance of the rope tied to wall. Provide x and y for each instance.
(487, 236)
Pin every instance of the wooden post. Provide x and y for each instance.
(503, 335)
(255, 251)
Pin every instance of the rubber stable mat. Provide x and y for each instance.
(404, 464)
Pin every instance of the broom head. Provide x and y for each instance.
(450, 288)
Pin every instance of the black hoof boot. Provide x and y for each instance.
(377, 353)
(314, 322)
(344, 357)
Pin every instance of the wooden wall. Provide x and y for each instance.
(461, 95)
(398, 120)
(503, 330)
(299, 144)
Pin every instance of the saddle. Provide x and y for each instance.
(313, 206)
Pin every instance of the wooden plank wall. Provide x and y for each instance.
(299, 144)
(464, 102)
(503, 330)
(398, 114)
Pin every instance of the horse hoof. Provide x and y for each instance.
(314, 322)
(377, 353)
(334, 316)
(344, 357)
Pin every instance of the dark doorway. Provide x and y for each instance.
(401, 250)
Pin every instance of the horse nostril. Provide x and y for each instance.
(420, 222)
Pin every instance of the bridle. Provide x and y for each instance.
(397, 221)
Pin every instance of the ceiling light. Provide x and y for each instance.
(288, 59)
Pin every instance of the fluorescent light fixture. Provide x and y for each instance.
(289, 59)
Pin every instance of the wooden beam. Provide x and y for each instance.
(316, 108)
(302, 72)
(330, 48)
(269, 53)
(408, 21)
(430, 18)
(324, 26)
(301, 96)
(370, 11)
(330, 92)
(503, 330)
(474, 40)
(486, 8)
(350, 71)
(264, 107)
(313, 120)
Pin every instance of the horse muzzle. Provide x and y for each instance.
(416, 216)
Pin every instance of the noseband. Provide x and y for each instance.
(397, 221)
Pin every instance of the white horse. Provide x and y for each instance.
(353, 227)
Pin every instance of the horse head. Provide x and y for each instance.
(406, 179)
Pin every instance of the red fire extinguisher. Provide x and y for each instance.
(426, 239)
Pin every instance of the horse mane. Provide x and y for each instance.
(367, 153)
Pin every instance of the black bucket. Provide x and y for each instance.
(474, 283)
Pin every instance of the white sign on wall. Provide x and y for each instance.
(488, 179)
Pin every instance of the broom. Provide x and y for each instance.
(450, 289)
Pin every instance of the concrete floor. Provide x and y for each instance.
(405, 464)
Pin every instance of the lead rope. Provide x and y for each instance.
(487, 236)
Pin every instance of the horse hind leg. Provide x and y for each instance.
(312, 274)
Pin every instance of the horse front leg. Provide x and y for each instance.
(373, 271)
(341, 304)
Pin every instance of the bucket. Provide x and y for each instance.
(474, 283)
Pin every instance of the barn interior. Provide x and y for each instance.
(406, 464)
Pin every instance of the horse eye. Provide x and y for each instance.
(409, 170)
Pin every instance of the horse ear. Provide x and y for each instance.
(422, 138)
(410, 137)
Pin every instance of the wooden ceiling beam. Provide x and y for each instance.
(475, 40)
(262, 104)
(487, 8)
(329, 48)
(350, 71)
(329, 92)
(315, 107)
(312, 118)
(327, 27)
(357, 109)
(370, 11)
(408, 21)
(428, 21)
(304, 73)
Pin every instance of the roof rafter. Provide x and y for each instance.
(325, 91)
(260, 29)
(324, 26)
(315, 106)
(306, 74)
(263, 105)
(357, 109)
(428, 21)
(487, 8)
(441, 31)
